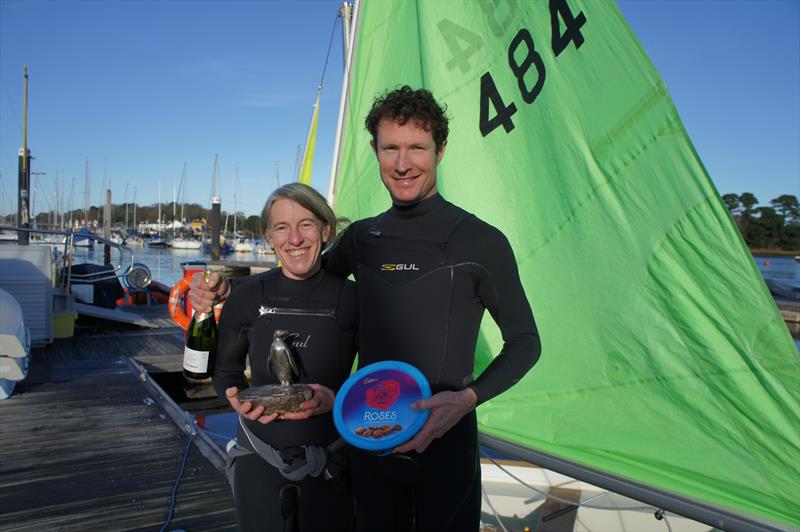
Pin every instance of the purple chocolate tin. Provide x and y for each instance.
(373, 410)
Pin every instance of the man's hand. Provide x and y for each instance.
(447, 409)
(320, 403)
(202, 295)
(246, 409)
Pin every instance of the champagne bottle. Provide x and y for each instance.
(200, 353)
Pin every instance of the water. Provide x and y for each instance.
(220, 427)
(782, 269)
(164, 264)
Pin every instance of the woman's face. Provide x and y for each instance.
(296, 237)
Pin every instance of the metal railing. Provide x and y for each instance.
(120, 270)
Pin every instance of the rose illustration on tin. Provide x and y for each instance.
(384, 394)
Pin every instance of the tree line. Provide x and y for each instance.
(122, 214)
(774, 227)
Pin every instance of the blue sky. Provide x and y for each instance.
(140, 88)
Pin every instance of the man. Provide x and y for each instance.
(426, 270)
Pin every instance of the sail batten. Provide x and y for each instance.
(664, 359)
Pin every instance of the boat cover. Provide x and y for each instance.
(15, 338)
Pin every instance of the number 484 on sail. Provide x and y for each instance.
(455, 35)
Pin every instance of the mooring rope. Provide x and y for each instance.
(173, 497)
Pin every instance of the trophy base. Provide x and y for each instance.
(281, 398)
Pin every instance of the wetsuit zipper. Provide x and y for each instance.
(323, 313)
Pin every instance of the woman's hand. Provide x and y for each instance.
(202, 294)
(246, 409)
(320, 403)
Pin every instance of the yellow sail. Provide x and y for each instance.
(304, 176)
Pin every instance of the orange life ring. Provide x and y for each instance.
(177, 304)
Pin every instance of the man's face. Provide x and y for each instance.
(408, 159)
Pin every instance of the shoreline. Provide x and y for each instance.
(759, 252)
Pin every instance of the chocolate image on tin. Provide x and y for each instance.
(279, 398)
(377, 432)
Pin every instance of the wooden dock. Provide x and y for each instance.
(88, 441)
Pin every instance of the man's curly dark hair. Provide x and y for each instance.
(404, 104)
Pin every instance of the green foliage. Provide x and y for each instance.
(775, 227)
(252, 225)
(787, 206)
(731, 202)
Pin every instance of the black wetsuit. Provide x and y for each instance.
(322, 311)
(425, 275)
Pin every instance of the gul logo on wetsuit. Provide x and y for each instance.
(398, 267)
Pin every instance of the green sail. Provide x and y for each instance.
(664, 360)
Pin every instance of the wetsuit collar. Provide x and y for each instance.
(302, 284)
(416, 210)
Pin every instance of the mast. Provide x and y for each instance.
(23, 205)
(32, 195)
(69, 202)
(352, 27)
(127, 227)
(86, 185)
(215, 177)
(134, 208)
(55, 223)
(174, 201)
(346, 12)
(298, 158)
(182, 192)
(103, 186)
(235, 203)
(159, 206)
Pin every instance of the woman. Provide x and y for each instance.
(320, 312)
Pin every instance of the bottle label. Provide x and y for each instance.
(195, 361)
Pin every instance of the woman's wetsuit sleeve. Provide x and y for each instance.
(232, 345)
(501, 292)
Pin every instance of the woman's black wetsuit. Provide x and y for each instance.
(425, 275)
(322, 312)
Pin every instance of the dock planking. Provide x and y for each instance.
(89, 442)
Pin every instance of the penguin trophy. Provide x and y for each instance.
(280, 361)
